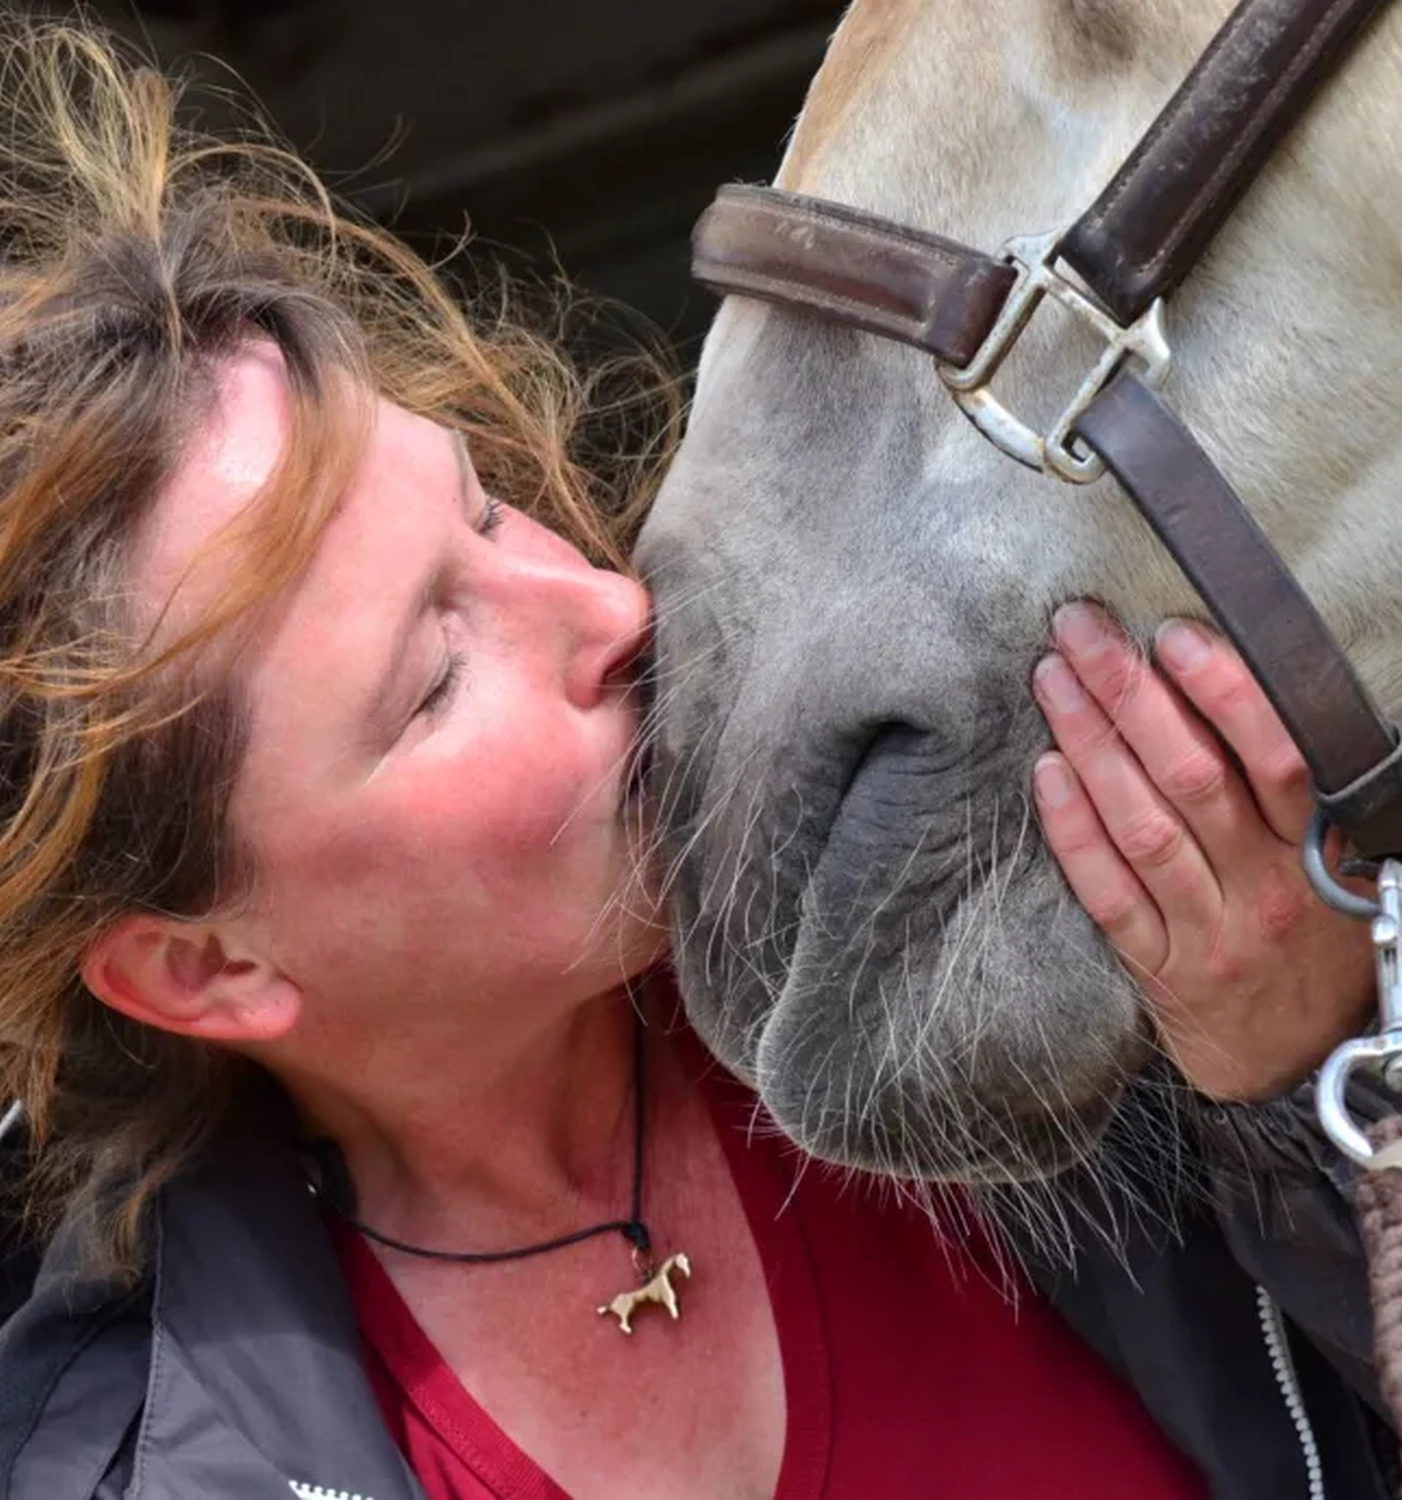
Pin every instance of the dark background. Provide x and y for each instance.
(593, 131)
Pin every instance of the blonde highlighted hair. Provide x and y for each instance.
(134, 255)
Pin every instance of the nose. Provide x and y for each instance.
(595, 619)
(612, 629)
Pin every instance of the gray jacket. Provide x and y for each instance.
(234, 1372)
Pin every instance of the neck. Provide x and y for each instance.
(504, 1133)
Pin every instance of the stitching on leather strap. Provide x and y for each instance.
(1167, 116)
(1245, 142)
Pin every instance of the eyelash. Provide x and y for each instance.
(444, 688)
(493, 514)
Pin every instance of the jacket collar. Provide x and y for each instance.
(256, 1364)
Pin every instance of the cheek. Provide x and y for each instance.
(488, 808)
(441, 834)
(527, 783)
(462, 881)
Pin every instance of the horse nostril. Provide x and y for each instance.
(886, 747)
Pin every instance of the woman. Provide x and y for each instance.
(332, 976)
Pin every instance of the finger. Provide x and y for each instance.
(1181, 755)
(1107, 889)
(1217, 683)
(1154, 841)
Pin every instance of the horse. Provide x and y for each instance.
(657, 1289)
(853, 586)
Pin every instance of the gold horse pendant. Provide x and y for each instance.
(658, 1288)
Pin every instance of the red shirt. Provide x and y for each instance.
(907, 1371)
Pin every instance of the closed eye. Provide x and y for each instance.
(441, 693)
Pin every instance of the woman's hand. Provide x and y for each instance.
(1189, 865)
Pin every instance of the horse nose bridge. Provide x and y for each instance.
(931, 708)
(859, 665)
(807, 676)
(791, 645)
(809, 725)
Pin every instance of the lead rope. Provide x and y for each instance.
(1379, 1208)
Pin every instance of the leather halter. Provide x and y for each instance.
(1131, 248)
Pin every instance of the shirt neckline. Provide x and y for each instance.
(766, 1189)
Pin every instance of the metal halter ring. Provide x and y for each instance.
(1380, 1054)
(1034, 257)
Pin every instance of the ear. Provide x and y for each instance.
(190, 978)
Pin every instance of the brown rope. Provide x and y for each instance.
(1379, 1206)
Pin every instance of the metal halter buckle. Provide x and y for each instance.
(1381, 1053)
(1034, 256)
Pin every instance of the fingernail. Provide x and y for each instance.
(1052, 782)
(1080, 629)
(1182, 645)
(1057, 683)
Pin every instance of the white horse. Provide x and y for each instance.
(853, 586)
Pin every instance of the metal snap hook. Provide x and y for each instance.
(1381, 1054)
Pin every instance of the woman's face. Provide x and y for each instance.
(436, 787)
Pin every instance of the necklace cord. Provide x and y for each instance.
(632, 1229)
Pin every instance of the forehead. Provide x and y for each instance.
(224, 466)
(870, 34)
(1096, 33)
(1087, 37)
(178, 563)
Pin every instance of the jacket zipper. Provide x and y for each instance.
(317, 1492)
(1283, 1363)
